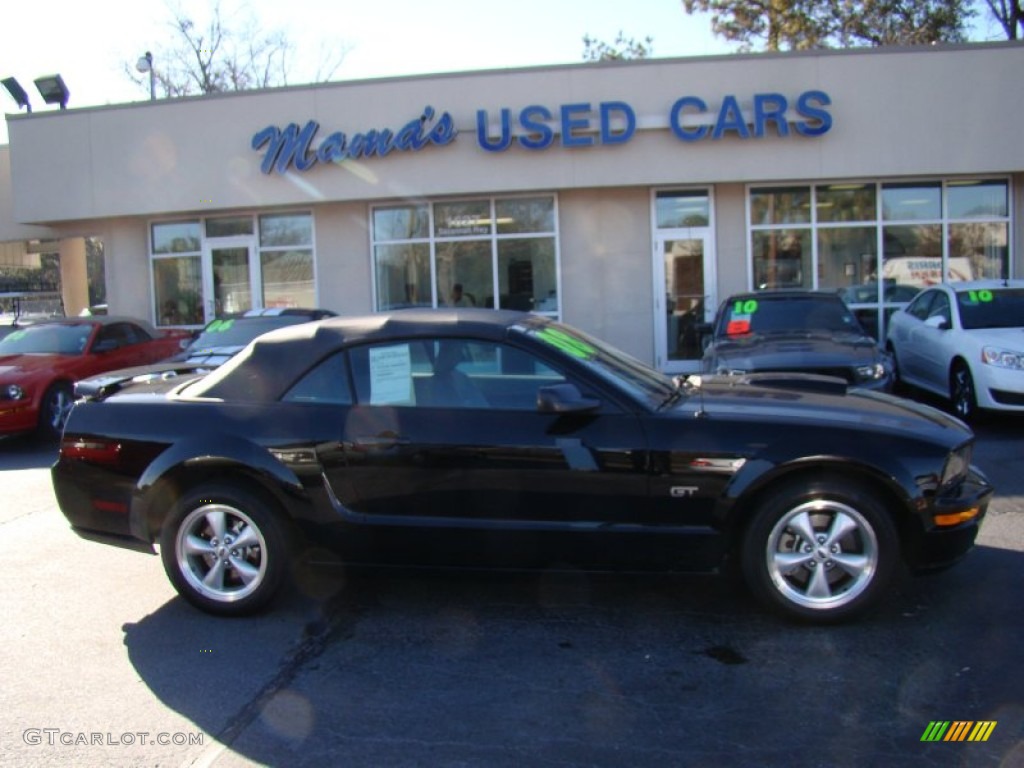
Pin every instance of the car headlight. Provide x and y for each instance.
(1002, 358)
(13, 392)
(874, 372)
(958, 463)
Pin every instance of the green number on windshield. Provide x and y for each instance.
(983, 296)
(747, 307)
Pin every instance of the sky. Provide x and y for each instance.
(91, 43)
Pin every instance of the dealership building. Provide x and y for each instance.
(625, 198)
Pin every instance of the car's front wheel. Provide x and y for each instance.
(820, 550)
(224, 550)
(54, 410)
(961, 392)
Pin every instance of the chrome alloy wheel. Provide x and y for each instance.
(822, 554)
(221, 553)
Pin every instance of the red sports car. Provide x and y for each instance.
(40, 363)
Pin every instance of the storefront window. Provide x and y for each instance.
(978, 199)
(286, 229)
(524, 215)
(782, 259)
(465, 274)
(682, 209)
(848, 256)
(470, 219)
(178, 290)
(177, 237)
(407, 222)
(403, 276)
(845, 202)
(911, 202)
(177, 280)
(493, 253)
(288, 278)
(244, 262)
(229, 226)
(527, 279)
(784, 205)
(879, 256)
(982, 250)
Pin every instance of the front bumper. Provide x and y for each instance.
(18, 416)
(935, 546)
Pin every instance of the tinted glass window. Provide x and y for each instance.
(919, 307)
(236, 331)
(47, 339)
(326, 383)
(450, 373)
(796, 313)
(995, 308)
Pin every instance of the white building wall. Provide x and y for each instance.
(606, 257)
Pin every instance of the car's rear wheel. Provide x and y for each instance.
(962, 395)
(225, 550)
(820, 550)
(54, 410)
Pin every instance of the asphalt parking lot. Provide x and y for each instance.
(104, 665)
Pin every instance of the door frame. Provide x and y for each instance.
(255, 275)
(661, 238)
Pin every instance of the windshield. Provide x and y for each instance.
(62, 339)
(991, 308)
(237, 332)
(612, 365)
(782, 314)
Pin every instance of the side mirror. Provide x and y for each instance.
(564, 398)
(937, 321)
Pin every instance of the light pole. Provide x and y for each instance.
(145, 64)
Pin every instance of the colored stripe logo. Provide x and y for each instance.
(958, 730)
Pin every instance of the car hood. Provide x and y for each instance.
(794, 351)
(16, 367)
(816, 401)
(1011, 337)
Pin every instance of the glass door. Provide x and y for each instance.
(231, 276)
(685, 297)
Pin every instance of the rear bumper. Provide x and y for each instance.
(116, 540)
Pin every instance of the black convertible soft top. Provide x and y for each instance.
(271, 363)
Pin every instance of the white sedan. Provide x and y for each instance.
(965, 342)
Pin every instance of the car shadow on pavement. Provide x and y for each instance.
(401, 667)
(26, 452)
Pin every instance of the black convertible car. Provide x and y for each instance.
(501, 439)
(796, 331)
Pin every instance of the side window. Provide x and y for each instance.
(920, 306)
(114, 336)
(326, 383)
(940, 307)
(450, 373)
(385, 374)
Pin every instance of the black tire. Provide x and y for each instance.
(225, 550)
(54, 410)
(962, 397)
(899, 387)
(822, 550)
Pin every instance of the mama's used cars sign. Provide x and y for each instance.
(538, 127)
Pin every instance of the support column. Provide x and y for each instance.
(74, 276)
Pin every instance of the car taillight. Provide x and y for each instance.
(92, 450)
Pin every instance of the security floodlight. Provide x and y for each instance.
(53, 90)
(145, 64)
(17, 92)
